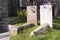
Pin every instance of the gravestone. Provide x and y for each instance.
(46, 14)
(32, 14)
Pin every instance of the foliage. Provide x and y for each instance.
(21, 16)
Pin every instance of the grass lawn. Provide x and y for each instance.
(54, 34)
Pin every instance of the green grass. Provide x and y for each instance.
(21, 16)
(19, 24)
(54, 34)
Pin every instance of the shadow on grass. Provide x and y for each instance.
(56, 23)
(56, 20)
(56, 27)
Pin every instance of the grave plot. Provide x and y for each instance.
(45, 19)
(50, 35)
(15, 30)
(32, 14)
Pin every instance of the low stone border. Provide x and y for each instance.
(14, 30)
(40, 29)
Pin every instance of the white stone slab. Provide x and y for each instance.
(46, 14)
(32, 14)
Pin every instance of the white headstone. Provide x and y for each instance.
(46, 14)
(32, 14)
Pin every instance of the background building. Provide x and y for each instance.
(8, 8)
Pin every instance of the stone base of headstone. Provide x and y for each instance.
(13, 30)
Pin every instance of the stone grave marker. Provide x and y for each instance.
(13, 30)
(46, 14)
(32, 14)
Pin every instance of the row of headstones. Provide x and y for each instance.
(45, 14)
(45, 18)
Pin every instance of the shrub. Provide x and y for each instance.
(21, 15)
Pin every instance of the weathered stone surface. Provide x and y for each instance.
(46, 14)
(39, 29)
(13, 30)
(32, 14)
(24, 26)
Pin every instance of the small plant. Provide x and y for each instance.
(21, 15)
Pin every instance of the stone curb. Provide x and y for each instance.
(4, 34)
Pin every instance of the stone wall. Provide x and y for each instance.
(13, 6)
(3, 8)
(7, 8)
(25, 3)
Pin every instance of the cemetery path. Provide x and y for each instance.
(4, 36)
